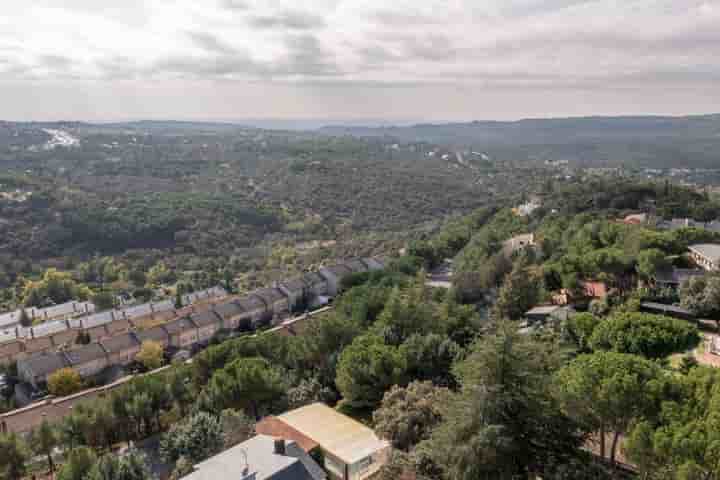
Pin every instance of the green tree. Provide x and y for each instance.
(78, 464)
(504, 422)
(246, 383)
(150, 355)
(652, 336)
(519, 292)
(56, 286)
(651, 261)
(104, 300)
(196, 438)
(366, 369)
(682, 440)
(407, 415)
(608, 391)
(309, 391)
(65, 381)
(130, 466)
(236, 426)
(430, 357)
(43, 441)
(13, 456)
(579, 329)
(701, 296)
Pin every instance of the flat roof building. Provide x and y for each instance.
(351, 450)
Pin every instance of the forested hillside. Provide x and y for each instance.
(653, 142)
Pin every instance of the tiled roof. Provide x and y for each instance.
(85, 354)
(205, 318)
(255, 459)
(296, 284)
(179, 325)
(97, 319)
(45, 363)
(163, 306)
(313, 278)
(138, 311)
(356, 265)
(275, 427)
(119, 343)
(229, 309)
(156, 334)
(339, 270)
(250, 303)
(270, 295)
(49, 328)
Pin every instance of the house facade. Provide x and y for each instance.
(183, 333)
(36, 369)
(706, 256)
(155, 334)
(333, 275)
(351, 451)
(122, 348)
(208, 324)
(88, 360)
(232, 315)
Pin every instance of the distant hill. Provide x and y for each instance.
(652, 141)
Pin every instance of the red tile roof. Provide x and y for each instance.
(275, 427)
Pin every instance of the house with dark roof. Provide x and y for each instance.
(11, 349)
(254, 309)
(232, 315)
(156, 334)
(543, 313)
(119, 325)
(295, 289)
(316, 285)
(183, 333)
(88, 360)
(276, 302)
(36, 369)
(208, 323)
(373, 263)
(122, 348)
(334, 275)
(677, 276)
(38, 345)
(356, 265)
(260, 458)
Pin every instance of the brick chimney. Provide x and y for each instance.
(279, 446)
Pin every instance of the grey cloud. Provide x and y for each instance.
(55, 62)
(305, 56)
(394, 18)
(289, 19)
(234, 4)
(211, 43)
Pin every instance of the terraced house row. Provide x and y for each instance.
(263, 307)
(18, 342)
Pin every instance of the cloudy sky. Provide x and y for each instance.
(357, 59)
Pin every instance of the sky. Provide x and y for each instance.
(400, 60)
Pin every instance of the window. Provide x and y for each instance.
(364, 464)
